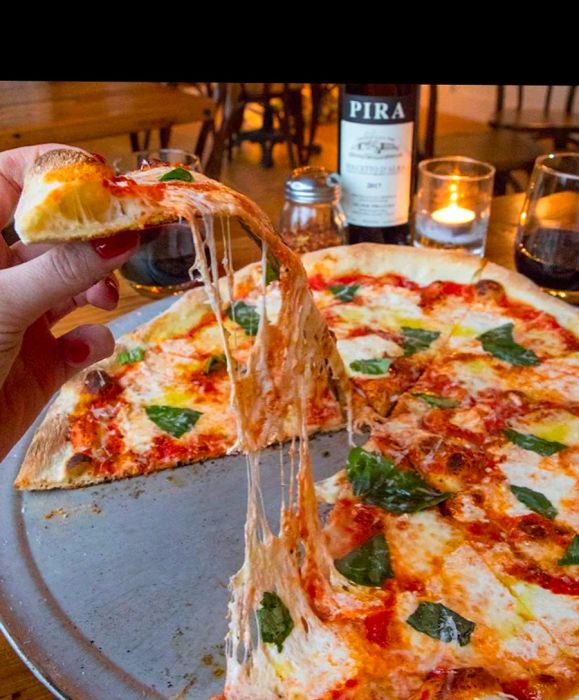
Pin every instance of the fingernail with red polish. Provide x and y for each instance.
(114, 246)
(75, 350)
(113, 289)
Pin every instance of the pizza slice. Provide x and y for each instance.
(391, 310)
(163, 399)
(69, 194)
(510, 318)
(449, 610)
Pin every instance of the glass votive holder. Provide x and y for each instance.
(453, 203)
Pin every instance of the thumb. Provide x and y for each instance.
(29, 290)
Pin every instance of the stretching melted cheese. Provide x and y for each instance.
(288, 363)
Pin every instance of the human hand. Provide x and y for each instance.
(39, 284)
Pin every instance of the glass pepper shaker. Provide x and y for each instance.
(312, 217)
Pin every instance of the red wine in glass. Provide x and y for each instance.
(550, 257)
(161, 265)
(547, 246)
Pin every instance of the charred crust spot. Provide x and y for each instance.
(97, 381)
(58, 158)
(489, 288)
(456, 461)
(533, 529)
(546, 679)
(78, 464)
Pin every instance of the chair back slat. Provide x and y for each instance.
(570, 100)
(431, 121)
(500, 101)
(548, 96)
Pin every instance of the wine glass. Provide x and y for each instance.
(161, 265)
(547, 244)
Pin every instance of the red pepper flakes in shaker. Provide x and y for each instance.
(312, 217)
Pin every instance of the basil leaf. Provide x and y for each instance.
(440, 622)
(437, 401)
(344, 292)
(500, 343)
(377, 481)
(368, 564)
(177, 174)
(378, 365)
(417, 339)
(534, 443)
(535, 501)
(274, 619)
(245, 315)
(129, 357)
(271, 274)
(215, 363)
(571, 555)
(173, 420)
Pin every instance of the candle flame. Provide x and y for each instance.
(453, 215)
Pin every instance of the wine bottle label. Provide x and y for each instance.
(376, 159)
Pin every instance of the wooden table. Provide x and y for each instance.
(34, 112)
(16, 681)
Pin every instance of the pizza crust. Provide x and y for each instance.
(417, 264)
(522, 289)
(67, 196)
(44, 466)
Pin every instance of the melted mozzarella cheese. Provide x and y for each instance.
(366, 347)
(555, 379)
(507, 639)
(420, 541)
(559, 613)
(476, 375)
(406, 302)
(475, 323)
(470, 419)
(542, 474)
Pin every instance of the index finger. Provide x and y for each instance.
(13, 166)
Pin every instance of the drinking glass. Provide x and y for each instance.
(547, 244)
(453, 203)
(161, 265)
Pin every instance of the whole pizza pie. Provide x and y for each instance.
(442, 559)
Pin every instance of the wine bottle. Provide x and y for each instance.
(377, 153)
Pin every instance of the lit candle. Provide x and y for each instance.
(453, 215)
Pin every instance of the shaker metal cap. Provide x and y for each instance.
(312, 185)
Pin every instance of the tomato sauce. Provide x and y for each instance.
(523, 690)
(439, 290)
(377, 627)
(565, 585)
(349, 525)
(207, 320)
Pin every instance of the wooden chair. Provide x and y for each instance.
(549, 122)
(214, 133)
(507, 150)
(279, 125)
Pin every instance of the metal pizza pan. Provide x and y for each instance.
(119, 591)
